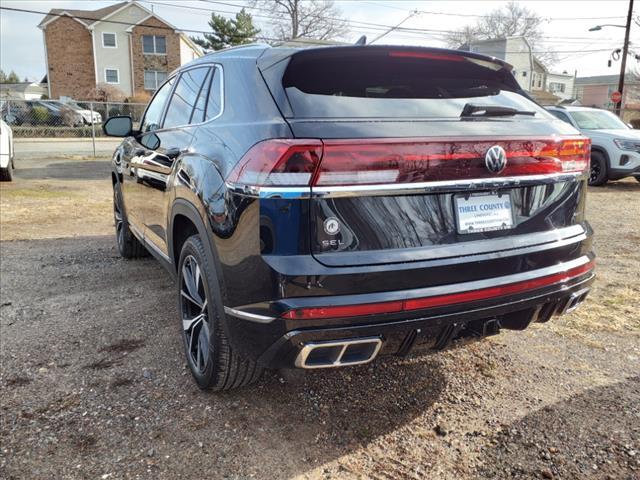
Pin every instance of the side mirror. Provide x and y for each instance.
(120, 126)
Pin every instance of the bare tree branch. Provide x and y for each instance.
(512, 20)
(314, 19)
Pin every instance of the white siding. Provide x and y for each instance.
(117, 58)
(186, 52)
(566, 80)
(512, 50)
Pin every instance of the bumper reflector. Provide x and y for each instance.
(341, 311)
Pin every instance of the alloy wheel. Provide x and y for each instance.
(193, 307)
(595, 172)
(118, 217)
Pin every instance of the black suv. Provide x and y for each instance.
(320, 207)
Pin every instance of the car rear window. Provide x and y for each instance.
(395, 83)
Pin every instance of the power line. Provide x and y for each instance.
(353, 23)
(296, 40)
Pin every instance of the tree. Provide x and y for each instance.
(103, 92)
(11, 78)
(313, 19)
(227, 33)
(512, 20)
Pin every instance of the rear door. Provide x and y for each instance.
(403, 175)
(161, 148)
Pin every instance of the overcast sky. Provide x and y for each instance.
(21, 44)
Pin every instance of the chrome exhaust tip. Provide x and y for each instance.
(574, 301)
(338, 353)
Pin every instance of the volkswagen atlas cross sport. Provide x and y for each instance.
(322, 207)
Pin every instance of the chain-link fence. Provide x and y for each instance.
(35, 119)
(55, 119)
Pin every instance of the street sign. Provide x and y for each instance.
(616, 97)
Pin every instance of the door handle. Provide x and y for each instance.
(173, 153)
(140, 152)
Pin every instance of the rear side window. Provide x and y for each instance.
(214, 102)
(185, 96)
(395, 83)
(153, 115)
(561, 116)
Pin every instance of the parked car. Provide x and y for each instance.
(88, 116)
(41, 113)
(315, 219)
(16, 113)
(6, 152)
(60, 114)
(615, 147)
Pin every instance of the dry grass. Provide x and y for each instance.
(36, 209)
(614, 303)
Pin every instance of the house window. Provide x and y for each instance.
(556, 87)
(109, 40)
(111, 75)
(154, 44)
(153, 79)
(524, 74)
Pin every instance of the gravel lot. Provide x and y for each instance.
(93, 382)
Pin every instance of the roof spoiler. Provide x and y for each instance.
(272, 56)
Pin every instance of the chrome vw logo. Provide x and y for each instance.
(495, 159)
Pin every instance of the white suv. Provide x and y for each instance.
(615, 148)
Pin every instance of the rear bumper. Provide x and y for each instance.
(260, 332)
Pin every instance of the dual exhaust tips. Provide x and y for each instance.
(338, 353)
(356, 351)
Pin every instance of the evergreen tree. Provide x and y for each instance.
(228, 33)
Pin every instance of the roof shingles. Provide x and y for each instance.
(88, 17)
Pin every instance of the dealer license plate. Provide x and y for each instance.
(484, 212)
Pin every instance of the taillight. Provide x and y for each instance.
(388, 161)
(280, 162)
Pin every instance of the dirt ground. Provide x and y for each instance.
(94, 385)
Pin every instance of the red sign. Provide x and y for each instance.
(616, 97)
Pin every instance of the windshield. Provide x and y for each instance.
(598, 120)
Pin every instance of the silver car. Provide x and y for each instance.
(615, 147)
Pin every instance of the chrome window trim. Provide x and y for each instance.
(177, 75)
(443, 186)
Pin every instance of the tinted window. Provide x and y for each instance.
(153, 116)
(396, 83)
(197, 115)
(560, 115)
(597, 120)
(214, 103)
(184, 97)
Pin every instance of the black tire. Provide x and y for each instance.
(6, 174)
(128, 245)
(598, 173)
(213, 363)
(638, 179)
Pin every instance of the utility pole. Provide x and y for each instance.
(623, 66)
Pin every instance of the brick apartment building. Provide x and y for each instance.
(124, 45)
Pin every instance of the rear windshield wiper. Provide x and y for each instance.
(471, 110)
